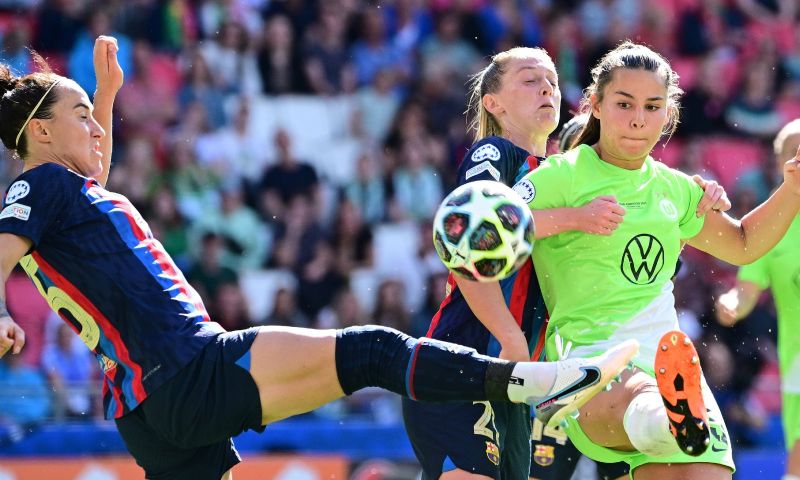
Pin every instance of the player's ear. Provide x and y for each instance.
(492, 104)
(594, 101)
(39, 131)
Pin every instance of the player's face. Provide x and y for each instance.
(530, 96)
(632, 114)
(75, 133)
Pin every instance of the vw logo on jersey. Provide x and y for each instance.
(642, 259)
(17, 190)
(485, 152)
(669, 208)
(526, 190)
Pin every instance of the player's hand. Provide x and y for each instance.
(12, 338)
(791, 173)
(106, 66)
(515, 349)
(726, 309)
(601, 216)
(714, 197)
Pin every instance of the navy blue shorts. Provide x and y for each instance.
(554, 457)
(183, 429)
(485, 438)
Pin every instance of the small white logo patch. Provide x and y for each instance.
(17, 190)
(485, 152)
(669, 209)
(20, 212)
(526, 190)
(482, 168)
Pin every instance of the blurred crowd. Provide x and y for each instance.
(275, 225)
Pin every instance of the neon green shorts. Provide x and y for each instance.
(791, 418)
(718, 452)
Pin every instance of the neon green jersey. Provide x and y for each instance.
(779, 270)
(607, 288)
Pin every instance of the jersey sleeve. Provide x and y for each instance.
(34, 203)
(491, 158)
(548, 186)
(690, 193)
(755, 272)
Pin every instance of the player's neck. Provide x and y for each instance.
(608, 157)
(534, 145)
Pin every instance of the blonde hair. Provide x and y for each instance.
(489, 80)
(787, 131)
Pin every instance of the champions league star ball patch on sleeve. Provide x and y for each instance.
(17, 191)
(485, 152)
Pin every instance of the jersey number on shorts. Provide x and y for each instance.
(481, 427)
(556, 433)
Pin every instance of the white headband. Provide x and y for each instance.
(33, 112)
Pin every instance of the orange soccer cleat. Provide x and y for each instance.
(678, 375)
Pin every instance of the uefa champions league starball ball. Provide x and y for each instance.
(483, 231)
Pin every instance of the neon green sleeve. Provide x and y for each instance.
(690, 224)
(549, 185)
(755, 272)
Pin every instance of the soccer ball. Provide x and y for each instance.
(483, 231)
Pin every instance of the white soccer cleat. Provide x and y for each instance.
(580, 379)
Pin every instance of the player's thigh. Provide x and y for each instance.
(682, 471)
(601, 417)
(294, 369)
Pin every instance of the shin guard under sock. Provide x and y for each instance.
(424, 369)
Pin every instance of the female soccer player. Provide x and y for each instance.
(779, 270)
(179, 386)
(599, 291)
(516, 102)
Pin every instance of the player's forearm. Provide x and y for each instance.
(766, 225)
(488, 304)
(103, 113)
(552, 221)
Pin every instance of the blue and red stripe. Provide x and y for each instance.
(146, 248)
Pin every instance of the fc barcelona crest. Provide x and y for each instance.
(544, 455)
(493, 453)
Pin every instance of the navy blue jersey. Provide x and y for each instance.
(496, 159)
(95, 261)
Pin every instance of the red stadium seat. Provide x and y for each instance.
(728, 158)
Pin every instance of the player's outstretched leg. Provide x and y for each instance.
(297, 370)
(678, 375)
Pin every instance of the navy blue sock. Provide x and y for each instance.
(424, 369)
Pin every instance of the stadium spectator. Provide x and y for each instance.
(279, 58)
(208, 274)
(24, 394)
(80, 61)
(70, 369)
(327, 62)
(287, 179)
(285, 311)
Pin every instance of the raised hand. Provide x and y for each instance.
(106, 66)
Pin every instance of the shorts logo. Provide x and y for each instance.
(17, 190)
(495, 173)
(485, 152)
(544, 455)
(668, 208)
(642, 259)
(493, 453)
(18, 211)
(526, 190)
(106, 364)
